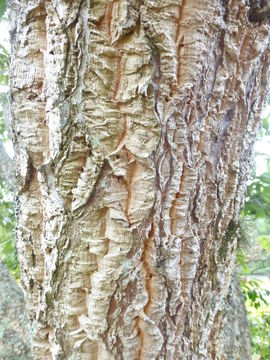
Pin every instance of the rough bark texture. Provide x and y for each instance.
(14, 334)
(134, 123)
(235, 338)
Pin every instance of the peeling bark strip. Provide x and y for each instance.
(134, 124)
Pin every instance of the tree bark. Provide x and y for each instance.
(235, 336)
(134, 125)
(14, 334)
(14, 330)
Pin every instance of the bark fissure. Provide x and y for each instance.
(146, 114)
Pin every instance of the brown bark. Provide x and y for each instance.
(134, 124)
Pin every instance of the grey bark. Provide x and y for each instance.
(14, 326)
(7, 172)
(236, 333)
(134, 124)
(14, 332)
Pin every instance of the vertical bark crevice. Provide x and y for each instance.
(150, 110)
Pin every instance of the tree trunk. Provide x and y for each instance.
(14, 330)
(14, 334)
(134, 124)
(235, 337)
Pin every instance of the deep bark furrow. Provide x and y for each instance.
(146, 121)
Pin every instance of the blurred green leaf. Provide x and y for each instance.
(2, 7)
(7, 226)
(264, 241)
(265, 126)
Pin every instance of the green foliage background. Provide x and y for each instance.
(7, 225)
(2, 8)
(254, 256)
(7, 219)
